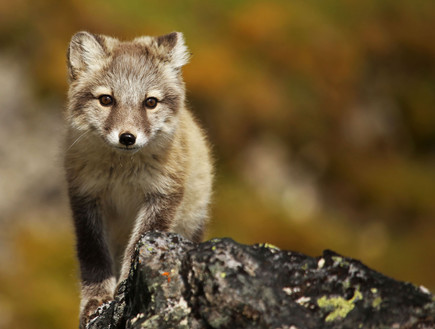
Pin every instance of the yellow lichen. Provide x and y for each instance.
(338, 260)
(340, 307)
(268, 245)
(376, 302)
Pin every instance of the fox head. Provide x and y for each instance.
(126, 94)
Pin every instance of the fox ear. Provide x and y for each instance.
(176, 48)
(86, 51)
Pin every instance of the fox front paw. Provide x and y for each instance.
(89, 311)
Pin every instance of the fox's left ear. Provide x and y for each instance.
(175, 47)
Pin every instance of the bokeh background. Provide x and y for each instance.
(321, 113)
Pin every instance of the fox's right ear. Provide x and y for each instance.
(86, 52)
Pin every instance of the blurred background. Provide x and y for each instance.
(321, 113)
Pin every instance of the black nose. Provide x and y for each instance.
(127, 139)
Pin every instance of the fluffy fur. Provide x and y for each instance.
(120, 190)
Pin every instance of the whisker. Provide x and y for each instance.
(77, 139)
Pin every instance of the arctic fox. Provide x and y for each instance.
(135, 158)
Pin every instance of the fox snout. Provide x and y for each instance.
(126, 139)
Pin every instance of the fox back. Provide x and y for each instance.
(135, 158)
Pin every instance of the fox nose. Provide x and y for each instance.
(127, 139)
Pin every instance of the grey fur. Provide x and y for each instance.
(117, 192)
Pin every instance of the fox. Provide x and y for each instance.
(135, 158)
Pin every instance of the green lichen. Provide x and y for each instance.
(268, 245)
(217, 320)
(340, 307)
(376, 302)
(223, 275)
(305, 266)
(346, 284)
(340, 261)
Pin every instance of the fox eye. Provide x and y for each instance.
(151, 102)
(106, 100)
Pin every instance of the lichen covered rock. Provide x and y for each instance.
(174, 283)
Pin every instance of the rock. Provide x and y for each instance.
(176, 284)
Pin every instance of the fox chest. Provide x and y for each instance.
(113, 179)
(121, 209)
(122, 202)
